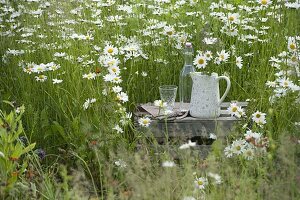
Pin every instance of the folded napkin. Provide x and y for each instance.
(158, 113)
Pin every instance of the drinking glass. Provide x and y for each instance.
(168, 96)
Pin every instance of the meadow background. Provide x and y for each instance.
(72, 72)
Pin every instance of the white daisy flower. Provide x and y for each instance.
(118, 129)
(200, 61)
(238, 146)
(259, 117)
(145, 121)
(210, 40)
(90, 76)
(88, 102)
(233, 18)
(249, 134)
(117, 89)
(112, 78)
(222, 57)
(122, 96)
(239, 62)
(169, 31)
(114, 70)
(108, 61)
(57, 81)
(292, 45)
(217, 177)
(160, 103)
(52, 66)
(39, 68)
(228, 151)
(121, 163)
(41, 78)
(235, 110)
(249, 153)
(110, 50)
(264, 2)
(271, 84)
(200, 183)
(285, 82)
(208, 55)
(59, 54)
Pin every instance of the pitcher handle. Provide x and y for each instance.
(227, 88)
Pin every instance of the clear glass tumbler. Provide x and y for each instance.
(168, 96)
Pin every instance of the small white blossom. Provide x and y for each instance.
(212, 136)
(118, 129)
(120, 163)
(168, 164)
(56, 81)
(88, 102)
(188, 145)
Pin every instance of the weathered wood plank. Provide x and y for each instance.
(190, 127)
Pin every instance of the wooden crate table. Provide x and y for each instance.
(179, 131)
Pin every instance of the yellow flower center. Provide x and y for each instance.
(170, 32)
(231, 18)
(285, 83)
(116, 78)
(293, 46)
(201, 61)
(264, 2)
(234, 109)
(249, 153)
(110, 50)
(238, 148)
(114, 70)
(222, 57)
(258, 115)
(145, 121)
(294, 58)
(200, 182)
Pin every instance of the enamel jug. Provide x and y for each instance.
(205, 99)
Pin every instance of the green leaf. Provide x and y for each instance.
(28, 148)
(44, 122)
(18, 150)
(56, 127)
(8, 102)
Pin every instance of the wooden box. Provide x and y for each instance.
(190, 128)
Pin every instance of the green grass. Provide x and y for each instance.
(82, 145)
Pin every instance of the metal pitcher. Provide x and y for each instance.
(205, 99)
